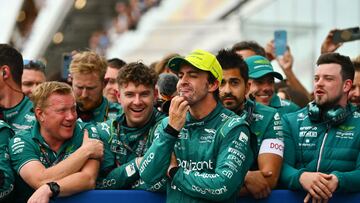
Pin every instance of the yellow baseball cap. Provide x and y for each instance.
(200, 59)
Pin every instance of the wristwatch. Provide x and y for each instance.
(55, 189)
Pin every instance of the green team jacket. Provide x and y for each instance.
(8, 183)
(283, 106)
(213, 156)
(321, 147)
(21, 116)
(122, 145)
(106, 111)
(29, 145)
(265, 122)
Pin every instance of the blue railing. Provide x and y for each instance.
(132, 196)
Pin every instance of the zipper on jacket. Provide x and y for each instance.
(322, 148)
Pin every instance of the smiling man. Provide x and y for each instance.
(262, 85)
(130, 134)
(55, 157)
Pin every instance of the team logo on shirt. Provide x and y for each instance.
(29, 118)
(208, 136)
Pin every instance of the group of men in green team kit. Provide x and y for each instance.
(226, 133)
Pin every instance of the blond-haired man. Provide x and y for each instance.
(88, 70)
(56, 157)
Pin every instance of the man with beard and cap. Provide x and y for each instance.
(202, 147)
(262, 85)
(88, 70)
(322, 142)
(264, 123)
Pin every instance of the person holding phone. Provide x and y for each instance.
(328, 44)
(202, 147)
(279, 50)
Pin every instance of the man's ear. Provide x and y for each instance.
(214, 86)
(156, 94)
(39, 114)
(5, 71)
(117, 92)
(347, 85)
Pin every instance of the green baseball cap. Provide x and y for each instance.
(260, 66)
(200, 59)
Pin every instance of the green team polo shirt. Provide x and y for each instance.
(318, 146)
(29, 146)
(283, 106)
(213, 155)
(21, 116)
(8, 186)
(122, 144)
(265, 124)
(104, 112)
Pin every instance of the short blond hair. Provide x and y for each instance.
(43, 91)
(88, 62)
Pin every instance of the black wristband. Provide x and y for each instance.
(172, 131)
(55, 189)
(2, 178)
(172, 172)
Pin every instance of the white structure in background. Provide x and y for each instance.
(45, 26)
(180, 26)
(8, 16)
(176, 27)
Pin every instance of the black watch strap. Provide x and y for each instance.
(55, 189)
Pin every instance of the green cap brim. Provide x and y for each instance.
(262, 73)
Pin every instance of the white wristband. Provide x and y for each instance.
(273, 146)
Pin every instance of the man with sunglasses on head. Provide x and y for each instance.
(88, 70)
(15, 107)
(33, 75)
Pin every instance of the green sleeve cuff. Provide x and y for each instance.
(340, 178)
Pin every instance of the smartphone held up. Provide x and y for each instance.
(346, 35)
(280, 42)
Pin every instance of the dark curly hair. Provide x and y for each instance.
(137, 73)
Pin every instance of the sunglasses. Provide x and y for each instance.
(29, 64)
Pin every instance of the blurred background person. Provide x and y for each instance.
(354, 94)
(15, 107)
(33, 75)
(166, 86)
(111, 87)
(162, 65)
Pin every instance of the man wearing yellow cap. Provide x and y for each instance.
(202, 147)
